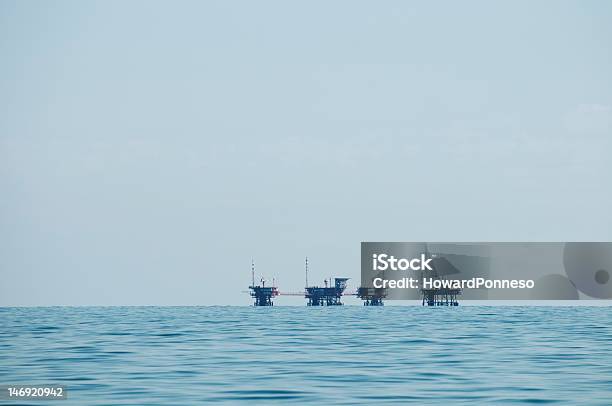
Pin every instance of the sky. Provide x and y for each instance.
(149, 149)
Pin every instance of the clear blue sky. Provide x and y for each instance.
(148, 150)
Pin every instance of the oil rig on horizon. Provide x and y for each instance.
(331, 293)
(263, 294)
(440, 296)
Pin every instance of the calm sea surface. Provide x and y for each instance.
(343, 355)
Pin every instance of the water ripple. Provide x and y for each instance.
(347, 355)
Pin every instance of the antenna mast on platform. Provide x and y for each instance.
(306, 271)
(252, 272)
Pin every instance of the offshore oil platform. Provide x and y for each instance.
(328, 295)
(263, 294)
(440, 296)
(334, 288)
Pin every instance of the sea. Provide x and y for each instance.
(344, 355)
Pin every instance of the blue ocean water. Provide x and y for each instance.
(337, 355)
